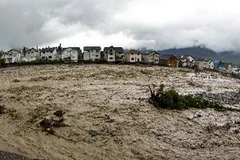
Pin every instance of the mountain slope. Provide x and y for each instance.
(201, 51)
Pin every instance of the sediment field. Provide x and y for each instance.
(102, 112)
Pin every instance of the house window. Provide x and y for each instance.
(50, 57)
(132, 59)
(111, 58)
(111, 53)
(96, 55)
(138, 59)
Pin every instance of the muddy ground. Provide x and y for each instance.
(106, 114)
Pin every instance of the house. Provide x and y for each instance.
(49, 54)
(133, 56)
(202, 63)
(70, 54)
(227, 67)
(13, 56)
(151, 57)
(168, 60)
(218, 65)
(30, 55)
(234, 69)
(91, 53)
(187, 61)
(113, 54)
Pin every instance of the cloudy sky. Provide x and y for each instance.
(152, 24)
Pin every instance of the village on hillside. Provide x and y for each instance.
(112, 54)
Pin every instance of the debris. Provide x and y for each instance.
(93, 133)
(2, 109)
(59, 113)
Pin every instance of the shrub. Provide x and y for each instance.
(2, 62)
(172, 100)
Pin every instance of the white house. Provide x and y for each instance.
(113, 54)
(151, 57)
(13, 56)
(133, 56)
(49, 54)
(204, 63)
(31, 55)
(71, 54)
(91, 53)
(187, 61)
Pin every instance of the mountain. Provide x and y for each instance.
(202, 51)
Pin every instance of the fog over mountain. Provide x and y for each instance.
(152, 24)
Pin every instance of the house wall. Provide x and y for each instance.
(72, 54)
(211, 65)
(86, 56)
(92, 55)
(156, 59)
(49, 55)
(133, 57)
(120, 57)
(110, 55)
(31, 56)
(150, 58)
(170, 62)
(145, 58)
(13, 57)
(202, 64)
(95, 55)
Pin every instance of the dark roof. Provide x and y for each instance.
(133, 51)
(117, 49)
(200, 59)
(32, 49)
(73, 48)
(14, 50)
(48, 49)
(90, 48)
(168, 56)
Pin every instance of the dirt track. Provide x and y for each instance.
(108, 116)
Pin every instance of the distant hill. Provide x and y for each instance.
(201, 51)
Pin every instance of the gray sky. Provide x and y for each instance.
(154, 24)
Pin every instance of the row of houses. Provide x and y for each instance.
(114, 54)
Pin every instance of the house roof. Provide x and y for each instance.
(32, 49)
(48, 49)
(14, 50)
(217, 61)
(168, 56)
(151, 52)
(202, 59)
(132, 51)
(90, 48)
(73, 48)
(117, 49)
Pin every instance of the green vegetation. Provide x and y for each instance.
(2, 62)
(172, 100)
